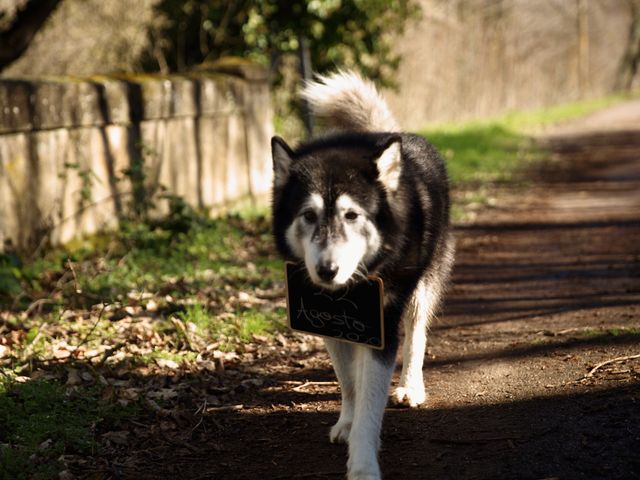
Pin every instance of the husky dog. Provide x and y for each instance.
(363, 200)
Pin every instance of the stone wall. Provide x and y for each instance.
(78, 154)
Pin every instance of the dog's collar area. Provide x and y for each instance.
(352, 314)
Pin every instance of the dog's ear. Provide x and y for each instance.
(389, 163)
(281, 154)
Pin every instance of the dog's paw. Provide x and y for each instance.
(408, 396)
(365, 472)
(363, 462)
(340, 432)
(363, 476)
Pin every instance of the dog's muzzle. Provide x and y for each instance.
(327, 271)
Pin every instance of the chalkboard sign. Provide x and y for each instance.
(353, 314)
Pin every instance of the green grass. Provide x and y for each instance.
(481, 152)
(41, 420)
(148, 258)
(611, 332)
(195, 269)
(254, 322)
(204, 275)
(534, 120)
(497, 149)
(149, 300)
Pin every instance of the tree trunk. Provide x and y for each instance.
(304, 59)
(631, 59)
(583, 47)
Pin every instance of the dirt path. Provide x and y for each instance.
(546, 287)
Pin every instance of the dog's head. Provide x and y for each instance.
(331, 205)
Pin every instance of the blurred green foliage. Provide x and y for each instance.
(10, 277)
(341, 33)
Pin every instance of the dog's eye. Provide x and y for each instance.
(351, 215)
(310, 216)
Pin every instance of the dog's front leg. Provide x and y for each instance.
(373, 372)
(342, 357)
(416, 317)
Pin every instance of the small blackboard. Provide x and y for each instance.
(353, 314)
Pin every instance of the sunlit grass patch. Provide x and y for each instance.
(175, 357)
(610, 332)
(255, 322)
(145, 257)
(496, 149)
(532, 121)
(482, 152)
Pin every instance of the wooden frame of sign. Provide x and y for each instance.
(354, 314)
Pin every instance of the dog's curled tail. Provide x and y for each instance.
(349, 102)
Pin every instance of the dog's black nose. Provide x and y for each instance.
(327, 271)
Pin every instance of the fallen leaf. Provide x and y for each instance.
(251, 382)
(151, 306)
(129, 393)
(118, 314)
(43, 375)
(61, 353)
(167, 363)
(66, 475)
(46, 444)
(119, 438)
(73, 377)
(163, 394)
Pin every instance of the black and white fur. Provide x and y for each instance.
(367, 199)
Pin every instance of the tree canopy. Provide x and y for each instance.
(346, 33)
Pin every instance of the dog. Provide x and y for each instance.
(366, 199)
